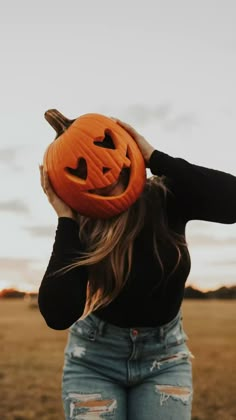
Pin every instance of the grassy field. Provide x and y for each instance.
(32, 356)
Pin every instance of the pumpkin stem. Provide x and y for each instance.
(58, 121)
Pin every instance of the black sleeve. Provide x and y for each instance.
(201, 193)
(62, 297)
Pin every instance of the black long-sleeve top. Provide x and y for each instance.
(198, 193)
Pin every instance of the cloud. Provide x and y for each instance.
(14, 206)
(162, 113)
(224, 262)
(8, 156)
(41, 231)
(181, 121)
(210, 282)
(195, 240)
(144, 113)
(21, 273)
(15, 264)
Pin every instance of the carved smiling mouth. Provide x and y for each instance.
(107, 191)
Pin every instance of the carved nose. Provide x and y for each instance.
(105, 170)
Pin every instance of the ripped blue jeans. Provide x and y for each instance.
(127, 373)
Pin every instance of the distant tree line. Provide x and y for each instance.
(14, 293)
(221, 293)
(189, 293)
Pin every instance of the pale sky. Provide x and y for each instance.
(166, 67)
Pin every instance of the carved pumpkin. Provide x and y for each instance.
(90, 153)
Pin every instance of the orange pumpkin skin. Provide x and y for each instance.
(104, 165)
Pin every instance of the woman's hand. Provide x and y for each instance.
(61, 208)
(145, 148)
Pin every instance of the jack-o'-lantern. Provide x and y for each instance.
(90, 153)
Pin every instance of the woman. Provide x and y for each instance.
(118, 285)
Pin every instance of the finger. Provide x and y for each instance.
(41, 176)
(46, 184)
(128, 128)
(121, 122)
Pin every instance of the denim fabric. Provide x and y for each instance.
(127, 373)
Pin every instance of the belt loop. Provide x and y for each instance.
(162, 332)
(100, 326)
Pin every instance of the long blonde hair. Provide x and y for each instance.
(109, 244)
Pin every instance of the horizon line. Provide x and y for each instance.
(189, 285)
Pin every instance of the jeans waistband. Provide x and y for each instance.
(158, 330)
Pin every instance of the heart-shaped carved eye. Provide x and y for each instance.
(81, 171)
(107, 142)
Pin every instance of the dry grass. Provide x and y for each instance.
(32, 357)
